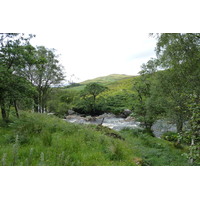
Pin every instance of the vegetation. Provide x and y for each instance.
(39, 139)
(88, 103)
(26, 73)
(115, 97)
(151, 151)
(167, 87)
(107, 79)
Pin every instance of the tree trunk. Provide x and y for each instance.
(3, 113)
(191, 152)
(94, 104)
(36, 104)
(16, 109)
(179, 124)
(39, 100)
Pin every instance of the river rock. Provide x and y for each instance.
(129, 119)
(106, 115)
(162, 126)
(125, 113)
(90, 119)
(50, 113)
(71, 112)
(74, 117)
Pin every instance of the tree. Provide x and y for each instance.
(144, 105)
(174, 97)
(61, 100)
(12, 86)
(43, 71)
(194, 154)
(90, 93)
(180, 54)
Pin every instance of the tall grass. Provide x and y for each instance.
(154, 151)
(38, 140)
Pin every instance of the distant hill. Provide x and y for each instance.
(107, 79)
(115, 82)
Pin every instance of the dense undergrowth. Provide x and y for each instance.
(38, 139)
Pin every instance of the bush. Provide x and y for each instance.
(137, 132)
(170, 136)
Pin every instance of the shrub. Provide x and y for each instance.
(170, 136)
(137, 132)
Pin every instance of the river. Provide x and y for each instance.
(119, 123)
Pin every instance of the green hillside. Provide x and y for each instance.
(107, 79)
(117, 97)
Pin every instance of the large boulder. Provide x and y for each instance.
(125, 113)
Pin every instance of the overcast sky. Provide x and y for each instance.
(97, 38)
(89, 53)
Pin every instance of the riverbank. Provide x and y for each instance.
(119, 123)
(38, 139)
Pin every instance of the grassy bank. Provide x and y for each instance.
(154, 151)
(38, 139)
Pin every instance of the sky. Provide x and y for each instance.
(95, 38)
(88, 53)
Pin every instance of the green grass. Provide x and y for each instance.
(113, 81)
(38, 139)
(107, 79)
(155, 151)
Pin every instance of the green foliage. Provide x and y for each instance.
(44, 72)
(47, 138)
(105, 80)
(170, 136)
(117, 103)
(145, 109)
(13, 87)
(115, 99)
(88, 103)
(154, 151)
(93, 89)
(26, 74)
(138, 132)
(52, 141)
(194, 133)
(178, 54)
